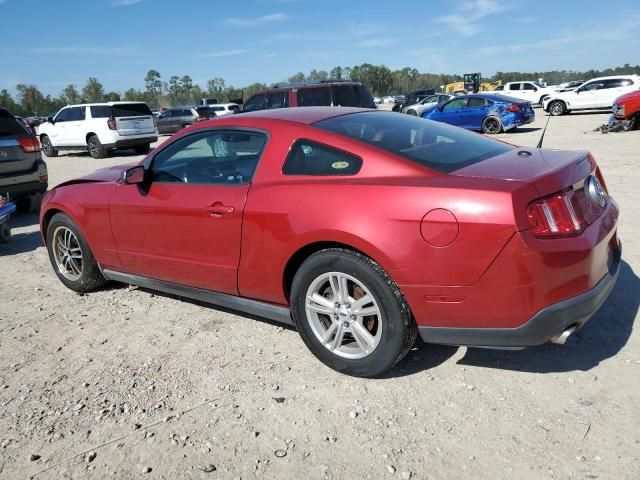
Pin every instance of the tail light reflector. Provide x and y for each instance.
(111, 122)
(555, 216)
(29, 144)
(514, 107)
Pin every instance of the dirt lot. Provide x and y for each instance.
(125, 383)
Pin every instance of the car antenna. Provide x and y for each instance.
(543, 132)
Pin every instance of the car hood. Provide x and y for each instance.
(549, 171)
(628, 96)
(109, 174)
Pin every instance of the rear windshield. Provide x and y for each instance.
(314, 97)
(125, 110)
(9, 125)
(352, 96)
(438, 146)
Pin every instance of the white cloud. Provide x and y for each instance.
(465, 20)
(248, 22)
(227, 53)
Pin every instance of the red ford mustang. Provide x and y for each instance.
(361, 228)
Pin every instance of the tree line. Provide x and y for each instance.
(181, 90)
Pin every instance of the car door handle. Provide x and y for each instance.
(218, 209)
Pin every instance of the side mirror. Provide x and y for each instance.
(134, 175)
(50, 119)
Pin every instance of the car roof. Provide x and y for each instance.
(614, 77)
(103, 104)
(306, 115)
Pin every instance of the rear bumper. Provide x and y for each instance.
(133, 142)
(25, 183)
(544, 325)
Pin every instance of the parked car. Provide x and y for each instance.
(174, 119)
(99, 128)
(520, 243)
(418, 108)
(389, 99)
(627, 107)
(23, 173)
(598, 93)
(526, 90)
(411, 98)
(311, 94)
(377, 100)
(480, 111)
(224, 109)
(205, 102)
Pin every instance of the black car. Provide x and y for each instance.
(412, 98)
(23, 173)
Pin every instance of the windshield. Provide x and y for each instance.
(438, 146)
(537, 84)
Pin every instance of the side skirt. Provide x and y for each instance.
(253, 307)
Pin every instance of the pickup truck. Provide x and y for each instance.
(526, 90)
(627, 107)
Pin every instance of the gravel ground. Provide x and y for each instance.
(127, 383)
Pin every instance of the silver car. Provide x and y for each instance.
(426, 102)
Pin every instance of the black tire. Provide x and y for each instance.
(90, 277)
(96, 149)
(5, 233)
(491, 125)
(47, 147)
(634, 123)
(29, 204)
(399, 329)
(412, 112)
(557, 108)
(142, 149)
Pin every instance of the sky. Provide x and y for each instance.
(53, 43)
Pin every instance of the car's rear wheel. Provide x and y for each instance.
(5, 233)
(412, 112)
(29, 204)
(142, 149)
(47, 147)
(491, 125)
(96, 149)
(557, 108)
(350, 313)
(71, 257)
(634, 123)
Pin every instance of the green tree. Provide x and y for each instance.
(7, 101)
(31, 100)
(93, 91)
(297, 78)
(216, 88)
(70, 95)
(112, 97)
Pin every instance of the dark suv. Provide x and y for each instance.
(311, 94)
(23, 173)
(174, 119)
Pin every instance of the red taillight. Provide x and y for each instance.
(555, 216)
(201, 118)
(513, 107)
(29, 144)
(111, 123)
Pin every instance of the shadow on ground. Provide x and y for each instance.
(21, 242)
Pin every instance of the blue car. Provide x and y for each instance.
(486, 112)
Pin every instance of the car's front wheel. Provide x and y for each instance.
(350, 313)
(47, 147)
(142, 149)
(412, 112)
(557, 108)
(71, 257)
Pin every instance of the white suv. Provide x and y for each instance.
(98, 128)
(597, 93)
(526, 90)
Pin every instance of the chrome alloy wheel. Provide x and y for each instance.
(343, 315)
(67, 253)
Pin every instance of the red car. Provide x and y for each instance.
(362, 228)
(627, 107)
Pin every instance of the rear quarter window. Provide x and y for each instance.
(352, 96)
(100, 111)
(9, 126)
(307, 157)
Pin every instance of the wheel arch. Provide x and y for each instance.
(304, 252)
(89, 135)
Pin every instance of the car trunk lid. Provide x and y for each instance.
(133, 119)
(13, 157)
(550, 171)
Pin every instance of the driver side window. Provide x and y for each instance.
(217, 157)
